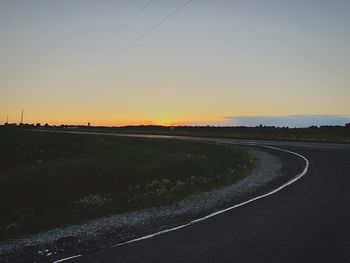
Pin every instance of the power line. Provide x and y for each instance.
(163, 20)
(116, 33)
(148, 31)
(123, 26)
(132, 18)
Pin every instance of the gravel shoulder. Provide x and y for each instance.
(105, 232)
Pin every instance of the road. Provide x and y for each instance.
(309, 221)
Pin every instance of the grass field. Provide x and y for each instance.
(51, 179)
(331, 134)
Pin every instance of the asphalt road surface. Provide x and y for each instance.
(309, 221)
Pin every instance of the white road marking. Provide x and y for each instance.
(65, 259)
(300, 175)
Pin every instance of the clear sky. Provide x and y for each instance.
(213, 62)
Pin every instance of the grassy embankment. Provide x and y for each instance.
(51, 179)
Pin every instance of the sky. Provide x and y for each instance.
(175, 62)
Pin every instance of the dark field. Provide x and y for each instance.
(332, 134)
(51, 179)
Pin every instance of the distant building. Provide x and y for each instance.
(88, 124)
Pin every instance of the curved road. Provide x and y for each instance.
(309, 221)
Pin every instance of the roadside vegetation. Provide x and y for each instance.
(51, 179)
(331, 134)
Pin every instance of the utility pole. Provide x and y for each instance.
(22, 117)
(7, 118)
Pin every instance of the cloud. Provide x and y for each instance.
(287, 120)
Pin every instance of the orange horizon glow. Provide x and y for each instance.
(239, 120)
(116, 123)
